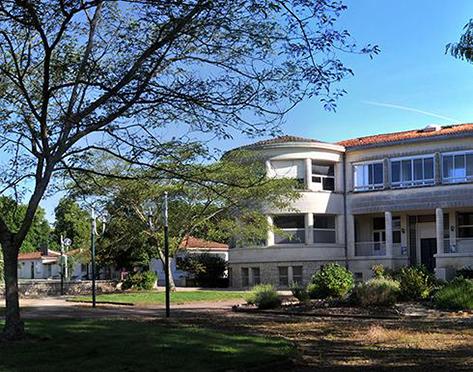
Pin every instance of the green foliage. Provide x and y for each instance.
(300, 292)
(207, 269)
(313, 291)
(416, 282)
(377, 292)
(13, 215)
(378, 271)
(465, 272)
(140, 280)
(332, 280)
(72, 222)
(264, 296)
(463, 49)
(456, 295)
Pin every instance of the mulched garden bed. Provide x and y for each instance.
(343, 309)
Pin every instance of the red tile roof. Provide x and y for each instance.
(409, 135)
(282, 139)
(30, 256)
(191, 242)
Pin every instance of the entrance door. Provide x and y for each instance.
(428, 247)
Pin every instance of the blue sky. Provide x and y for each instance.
(411, 71)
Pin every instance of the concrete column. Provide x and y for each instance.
(309, 228)
(388, 221)
(452, 222)
(437, 168)
(386, 174)
(270, 238)
(267, 164)
(350, 235)
(308, 174)
(289, 274)
(439, 229)
(405, 228)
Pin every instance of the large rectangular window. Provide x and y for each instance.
(457, 167)
(324, 175)
(288, 169)
(283, 276)
(368, 176)
(245, 277)
(255, 273)
(465, 225)
(324, 228)
(412, 172)
(297, 274)
(292, 229)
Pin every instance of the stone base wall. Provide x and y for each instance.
(41, 288)
(269, 271)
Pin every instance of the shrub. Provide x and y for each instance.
(300, 292)
(456, 295)
(313, 291)
(378, 271)
(377, 292)
(207, 269)
(416, 283)
(332, 280)
(264, 296)
(466, 272)
(140, 281)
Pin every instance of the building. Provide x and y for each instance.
(393, 199)
(189, 246)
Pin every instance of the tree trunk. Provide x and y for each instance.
(14, 328)
(172, 286)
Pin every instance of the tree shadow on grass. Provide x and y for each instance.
(124, 345)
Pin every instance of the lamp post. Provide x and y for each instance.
(93, 237)
(65, 243)
(150, 210)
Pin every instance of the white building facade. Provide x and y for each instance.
(397, 199)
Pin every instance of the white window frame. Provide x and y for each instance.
(321, 176)
(369, 187)
(456, 179)
(412, 183)
(291, 230)
(462, 226)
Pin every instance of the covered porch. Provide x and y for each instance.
(441, 239)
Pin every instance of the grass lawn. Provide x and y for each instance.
(154, 297)
(123, 345)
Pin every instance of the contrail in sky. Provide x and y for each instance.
(405, 108)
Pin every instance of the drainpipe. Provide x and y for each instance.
(345, 214)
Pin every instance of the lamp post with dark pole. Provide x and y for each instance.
(93, 238)
(150, 207)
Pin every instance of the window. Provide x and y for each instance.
(396, 230)
(283, 276)
(297, 274)
(324, 174)
(256, 275)
(245, 277)
(288, 169)
(412, 172)
(324, 228)
(465, 225)
(292, 229)
(457, 167)
(368, 176)
(379, 231)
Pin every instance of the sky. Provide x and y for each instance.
(410, 84)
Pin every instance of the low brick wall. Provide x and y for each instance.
(40, 288)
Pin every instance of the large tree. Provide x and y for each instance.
(463, 49)
(227, 204)
(117, 75)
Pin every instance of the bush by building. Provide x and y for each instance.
(456, 295)
(207, 269)
(332, 280)
(264, 296)
(378, 291)
(145, 280)
(416, 283)
(300, 292)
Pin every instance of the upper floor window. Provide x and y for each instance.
(292, 228)
(368, 176)
(412, 172)
(324, 228)
(457, 167)
(323, 175)
(288, 169)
